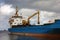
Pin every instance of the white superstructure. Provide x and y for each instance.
(16, 19)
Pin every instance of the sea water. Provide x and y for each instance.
(5, 36)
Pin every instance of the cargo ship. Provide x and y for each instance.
(21, 26)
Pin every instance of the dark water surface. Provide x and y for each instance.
(5, 36)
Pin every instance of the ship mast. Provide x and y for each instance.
(16, 14)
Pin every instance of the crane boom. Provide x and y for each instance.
(33, 16)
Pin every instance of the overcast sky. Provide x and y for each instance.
(47, 5)
(7, 8)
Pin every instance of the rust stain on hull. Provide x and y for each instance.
(50, 36)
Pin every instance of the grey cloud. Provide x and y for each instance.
(20, 3)
(49, 5)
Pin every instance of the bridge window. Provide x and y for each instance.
(14, 23)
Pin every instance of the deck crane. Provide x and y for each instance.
(33, 16)
(28, 22)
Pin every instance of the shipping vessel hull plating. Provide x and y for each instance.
(47, 30)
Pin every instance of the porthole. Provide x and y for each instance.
(14, 23)
(16, 20)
